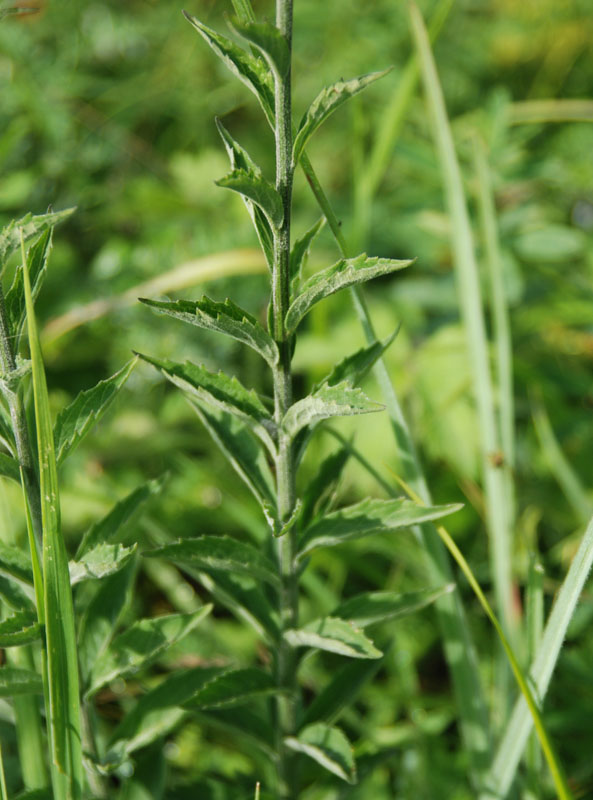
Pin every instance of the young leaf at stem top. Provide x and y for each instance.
(268, 40)
(28, 226)
(257, 189)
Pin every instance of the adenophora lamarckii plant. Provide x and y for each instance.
(265, 445)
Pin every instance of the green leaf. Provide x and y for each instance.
(251, 70)
(355, 367)
(15, 681)
(368, 517)
(325, 104)
(268, 40)
(300, 249)
(320, 490)
(9, 468)
(101, 561)
(141, 644)
(370, 607)
(21, 628)
(221, 553)
(328, 401)
(76, 420)
(240, 159)
(328, 747)
(225, 318)
(257, 189)
(234, 688)
(241, 722)
(60, 637)
(14, 596)
(346, 272)
(15, 297)
(335, 636)
(29, 226)
(341, 691)
(218, 389)
(110, 527)
(241, 449)
(14, 562)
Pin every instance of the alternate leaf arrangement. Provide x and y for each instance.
(265, 442)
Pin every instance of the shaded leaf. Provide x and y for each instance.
(335, 636)
(257, 189)
(300, 249)
(325, 104)
(234, 688)
(101, 561)
(141, 644)
(346, 272)
(77, 419)
(340, 693)
(14, 596)
(243, 722)
(29, 226)
(14, 562)
(328, 401)
(9, 468)
(368, 517)
(329, 747)
(21, 628)
(319, 490)
(268, 40)
(15, 681)
(353, 368)
(15, 297)
(225, 318)
(370, 607)
(220, 553)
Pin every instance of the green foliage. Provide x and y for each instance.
(20, 628)
(328, 747)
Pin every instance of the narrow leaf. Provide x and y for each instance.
(355, 367)
(328, 401)
(300, 250)
(370, 607)
(328, 747)
(225, 318)
(335, 636)
(234, 688)
(257, 189)
(15, 681)
(15, 297)
(340, 693)
(9, 468)
(268, 40)
(251, 70)
(220, 553)
(77, 419)
(20, 628)
(346, 272)
(368, 517)
(14, 562)
(29, 226)
(141, 644)
(101, 561)
(319, 491)
(325, 104)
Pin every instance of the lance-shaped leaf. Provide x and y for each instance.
(233, 689)
(325, 104)
(321, 489)
(257, 189)
(141, 644)
(29, 226)
(240, 159)
(328, 401)
(329, 747)
(110, 527)
(9, 468)
(368, 517)
(220, 553)
(218, 389)
(241, 449)
(347, 272)
(13, 594)
(340, 693)
(241, 722)
(15, 681)
(77, 419)
(14, 562)
(353, 368)
(225, 318)
(101, 561)
(15, 297)
(251, 70)
(334, 635)
(21, 628)
(370, 607)
(269, 41)
(300, 250)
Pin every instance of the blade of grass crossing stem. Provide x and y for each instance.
(473, 319)
(556, 770)
(508, 755)
(62, 663)
(535, 626)
(3, 789)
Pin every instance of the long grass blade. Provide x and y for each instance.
(62, 663)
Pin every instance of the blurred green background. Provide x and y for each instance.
(110, 107)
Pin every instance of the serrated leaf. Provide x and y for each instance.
(340, 693)
(325, 104)
(335, 636)
(101, 561)
(14, 562)
(220, 553)
(328, 401)
(14, 595)
(346, 272)
(368, 517)
(240, 159)
(29, 226)
(268, 40)
(353, 368)
(141, 644)
(300, 250)
(225, 318)
(15, 681)
(218, 389)
(15, 297)
(370, 607)
(329, 747)
(77, 419)
(110, 527)
(320, 489)
(21, 628)
(251, 70)
(234, 688)
(257, 189)
(241, 449)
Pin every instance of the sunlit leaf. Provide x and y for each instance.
(268, 40)
(29, 226)
(101, 561)
(334, 635)
(257, 189)
(329, 747)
